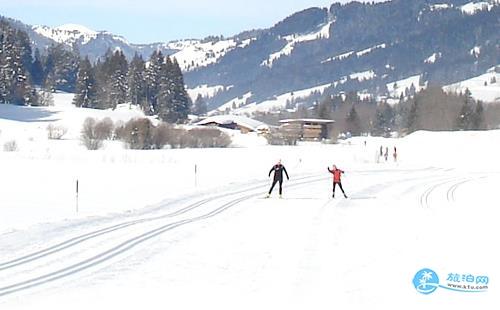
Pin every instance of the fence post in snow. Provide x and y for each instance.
(77, 196)
(195, 175)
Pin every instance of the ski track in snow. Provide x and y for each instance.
(75, 243)
(48, 267)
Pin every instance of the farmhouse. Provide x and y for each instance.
(306, 128)
(235, 122)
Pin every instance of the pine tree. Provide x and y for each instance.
(200, 106)
(478, 122)
(117, 85)
(324, 108)
(181, 100)
(15, 62)
(173, 102)
(37, 74)
(136, 82)
(61, 69)
(86, 86)
(411, 119)
(111, 76)
(17, 87)
(164, 105)
(353, 122)
(101, 77)
(413, 90)
(384, 119)
(6, 73)
(154, 73)
(465, 117)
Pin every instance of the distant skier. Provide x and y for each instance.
(278, 177)
(386, 154)
(336, 179)
(395, 155)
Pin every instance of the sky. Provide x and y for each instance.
(148, 21)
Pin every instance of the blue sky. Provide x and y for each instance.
(146, 21)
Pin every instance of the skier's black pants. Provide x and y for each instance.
(340, 185)
(274, 183)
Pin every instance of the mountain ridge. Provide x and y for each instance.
(354, 47)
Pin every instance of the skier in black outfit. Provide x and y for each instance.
(278, 177)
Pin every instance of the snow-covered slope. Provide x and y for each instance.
(478, 6)
(204, 91)
(485, 87)
(234, 104)
(194, 54)
(398, 88)
(322, 33)
(27, 125)
(241, 105)
(357, 53)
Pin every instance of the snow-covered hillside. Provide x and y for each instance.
(194, 54)
(469, 8)
(67, 34)
(235, 104)
(398, 88)
(204, 91)
(485, 87)
(322, 33)
(478, 6)
(27, 125)
(357, 53)
(71, 34)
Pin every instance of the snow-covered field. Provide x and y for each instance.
(151, 234)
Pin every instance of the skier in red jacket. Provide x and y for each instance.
(336, 179)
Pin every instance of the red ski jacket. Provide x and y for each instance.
(336, 174)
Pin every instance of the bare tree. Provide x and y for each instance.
(161, 135)
(138, 134)
(89, 136)
(104, 128)
(10, 146)
(56, 132)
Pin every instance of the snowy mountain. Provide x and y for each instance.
(362, 47)
(87, 42)
(69, 34)
(190, 53)
(357, 47)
